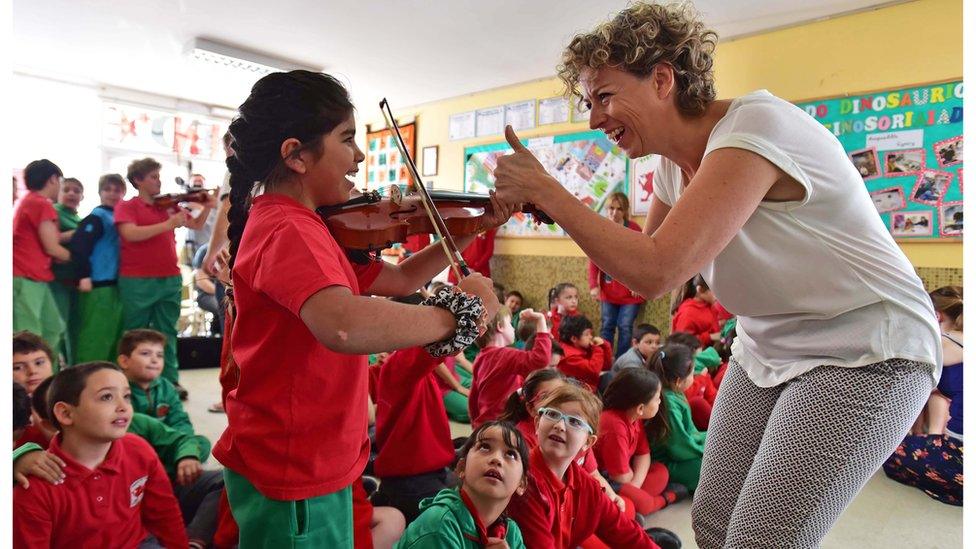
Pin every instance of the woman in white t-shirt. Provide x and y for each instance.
(838, 345)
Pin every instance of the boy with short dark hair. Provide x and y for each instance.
(95, 255)
(182, 455)
(646, 341)
(115, 492)
(141, 359)
(33, 360)
(584, 355)
(35, 243)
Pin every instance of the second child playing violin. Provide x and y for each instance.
(296, 438)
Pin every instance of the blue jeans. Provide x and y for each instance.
(619, 318)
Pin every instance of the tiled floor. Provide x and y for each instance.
(885, 514)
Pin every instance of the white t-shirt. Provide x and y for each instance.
(816, 281)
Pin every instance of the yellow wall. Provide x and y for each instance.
(855, 53)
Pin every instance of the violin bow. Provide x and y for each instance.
(455, 260)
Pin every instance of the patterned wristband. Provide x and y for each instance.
(467, 310)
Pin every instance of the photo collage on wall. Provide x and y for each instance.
(907, 144)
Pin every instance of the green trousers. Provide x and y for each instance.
(99, 314)
(66, 298)
(154, 303)
(322, 521)
(35, 310)
(456, 403)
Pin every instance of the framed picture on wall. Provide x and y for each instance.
(384, 165)
(930, 187)
(642, 183)
(866, 162)
(909, 162)
(889, 200)
(430, 160)
(950, 219)
(911, 224)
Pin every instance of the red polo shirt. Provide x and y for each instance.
(412, 430)
(611, 290)
(498, 372)
(554, 318)
(586, 364)
(620, 440)
(30, 259)
(562, 513)
(118, 504)
(150, 258)
(696, 317)
(297, 419)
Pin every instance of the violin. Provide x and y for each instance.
(166, 201)
(402, 216)
(372, 222)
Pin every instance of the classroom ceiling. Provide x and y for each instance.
(411, 51)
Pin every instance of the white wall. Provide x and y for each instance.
(60, 122)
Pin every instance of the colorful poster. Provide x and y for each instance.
(155, 131)
(385, 165)
(588, 164)
(642, 183)
(907, 145)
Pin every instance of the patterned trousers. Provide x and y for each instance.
(782, 463)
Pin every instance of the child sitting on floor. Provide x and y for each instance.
(33, 360)
(141, 357)
(585, 355)
(413, 435)
(646, 342)
(500, 369)
(492, 468)
(562, 505)
(182, 455)
(683, 447)
(632, 398)
(115, 492)
(703, 390)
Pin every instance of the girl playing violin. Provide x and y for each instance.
(296, 438)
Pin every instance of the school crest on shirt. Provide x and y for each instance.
(136, 490)
(162, 410)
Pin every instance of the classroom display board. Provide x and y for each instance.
(587, 164)
(907, 145)
(384, 163)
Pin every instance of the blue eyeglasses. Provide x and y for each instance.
(556, 416)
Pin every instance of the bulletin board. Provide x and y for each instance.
(907, 144)
(384, 163)
(587, 164)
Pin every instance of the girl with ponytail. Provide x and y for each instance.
(682, 447)
(296, 437)
(631, 401)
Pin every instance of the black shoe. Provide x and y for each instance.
(181, 392)
(370, 484)
(680, 491)
(666, 539)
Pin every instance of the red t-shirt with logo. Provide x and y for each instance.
(297, 419)
(30, 260)
(117, 504)
(150, 258)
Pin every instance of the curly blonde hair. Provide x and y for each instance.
(642, 36)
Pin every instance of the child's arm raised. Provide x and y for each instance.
(352, 324)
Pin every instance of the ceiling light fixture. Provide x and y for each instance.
(237, 59)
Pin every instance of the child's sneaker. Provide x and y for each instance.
(675, 492)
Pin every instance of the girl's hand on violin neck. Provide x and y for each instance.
(499, 213)
(519, 177)
(478, 285)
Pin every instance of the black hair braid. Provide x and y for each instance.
(298, 104)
